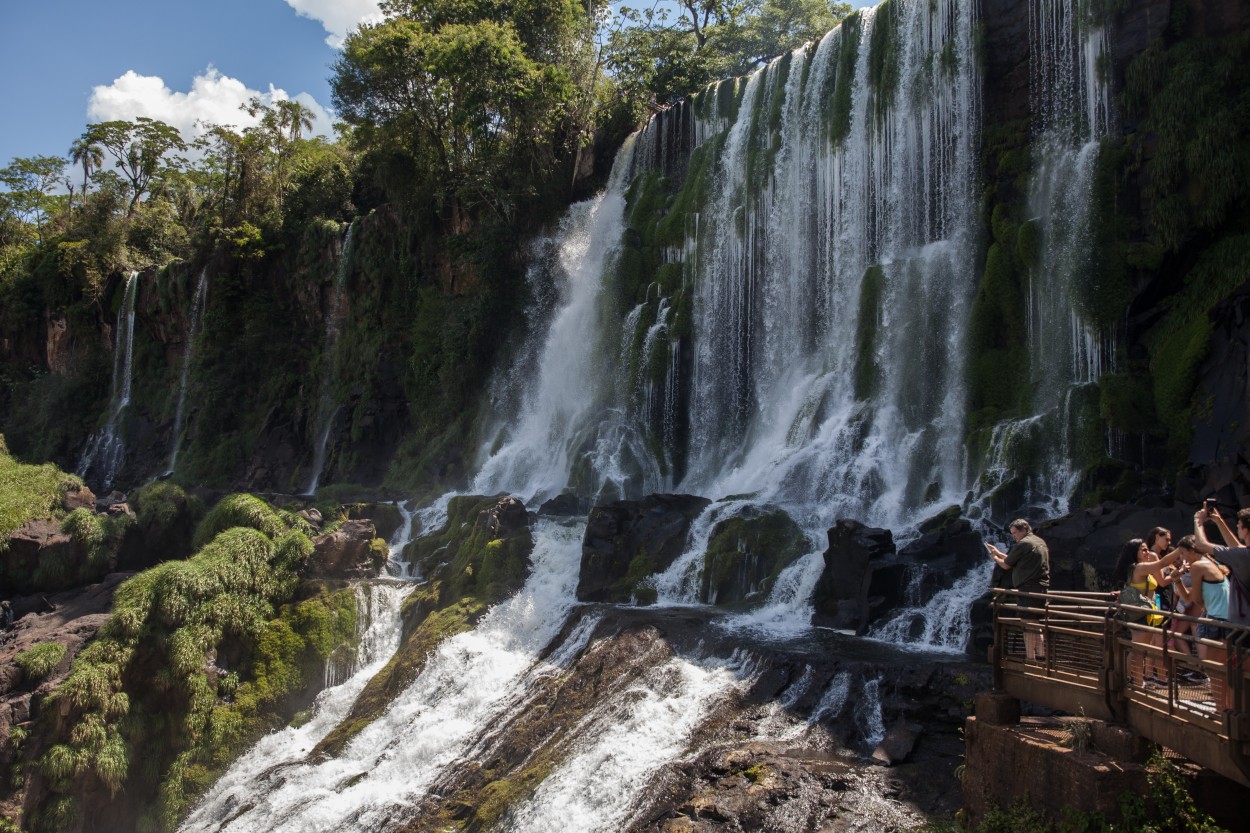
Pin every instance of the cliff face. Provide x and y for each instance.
(426, 312)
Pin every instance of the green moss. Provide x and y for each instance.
(39, 661)
(746, 553)
(843, 59)
(883, 58)
(238, 510)
(997, 336)
(139, 711)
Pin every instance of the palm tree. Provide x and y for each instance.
(294, 117)
(88, 154)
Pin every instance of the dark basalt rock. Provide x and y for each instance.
(628, 540)
(841, 597)
(36, 541)
(562, 505)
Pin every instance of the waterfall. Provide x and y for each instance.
(469, 683)
(944, 621)
(193, 331)
(326, 405)
(1068, 350)
(379, 625)
(407, 530)
(106, 450)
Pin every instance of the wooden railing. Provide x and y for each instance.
(1076, 652)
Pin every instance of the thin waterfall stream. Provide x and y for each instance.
(106, 451)
(193, 331)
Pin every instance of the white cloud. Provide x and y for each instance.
(214, 98)
(338, 17)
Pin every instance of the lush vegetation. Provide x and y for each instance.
(198, 658)
(28, 492)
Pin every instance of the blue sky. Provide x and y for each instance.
(70, 62)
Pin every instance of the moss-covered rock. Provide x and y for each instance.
(628, 540)
(746, 553)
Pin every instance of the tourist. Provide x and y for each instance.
(1236, 558)
(1140, 569)
(1209, 589)
(1028, 569)
(1159, 540)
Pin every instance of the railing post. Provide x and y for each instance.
(996, 649)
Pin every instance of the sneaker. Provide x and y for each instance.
(1190, 676)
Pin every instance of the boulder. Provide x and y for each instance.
(841, 596)
(386, 517)
(347, 553)
(78, 496)
(1085, 544)
(628, 540)
(898, 743)
(746, 553)
(504, 519)
(948, 543)
(36, 542)
(564, 505)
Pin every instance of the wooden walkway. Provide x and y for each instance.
(1096, 664)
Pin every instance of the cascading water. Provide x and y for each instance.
(469, 683)
(379, 628)
(800, 342)
(326, 406)
(622, 744)
(1068, 349)
(106, 451)
(193, 331)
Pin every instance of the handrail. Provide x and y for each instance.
(1078, 651)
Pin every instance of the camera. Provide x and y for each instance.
(1209, 504)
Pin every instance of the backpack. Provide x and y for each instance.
(1130, 595)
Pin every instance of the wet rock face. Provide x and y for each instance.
(841, 598)
(36, 541)
(628, 540)
(746, 554)
(346, 553)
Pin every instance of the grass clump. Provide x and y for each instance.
(39, 661)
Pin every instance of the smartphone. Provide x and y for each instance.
(1209, 504)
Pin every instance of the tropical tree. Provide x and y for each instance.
(140, 150)
(29, 182)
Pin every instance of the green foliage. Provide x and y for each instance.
(28, 492)
(39, 661)
(1193, 96)
(154, 680)
(238, 510)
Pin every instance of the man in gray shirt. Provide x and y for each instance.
(1028, 568)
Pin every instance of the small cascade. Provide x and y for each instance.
(326, 405)
(625, 741)
(408, 529)
(379, 626)
(468, 684)
(106, 451)
(833, 700)
(868, 716)
(193, 331)
(944, 623)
